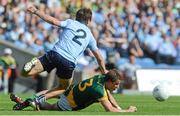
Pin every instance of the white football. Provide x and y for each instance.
(160, 93)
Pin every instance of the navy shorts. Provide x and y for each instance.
(52, 60)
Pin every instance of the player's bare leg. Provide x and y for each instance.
(37, 101)
(55, 92)
(47, 106)
(42, 92)
(33, 67)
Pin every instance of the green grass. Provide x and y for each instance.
(146, 105)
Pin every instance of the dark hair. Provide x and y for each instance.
(83, 15)
(113, 75)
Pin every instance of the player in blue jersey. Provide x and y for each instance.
(74, 39)
(80, 96)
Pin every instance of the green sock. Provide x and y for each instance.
(32, 97)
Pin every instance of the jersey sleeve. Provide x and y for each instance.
(65, 23)
(92, 44)
(100, 94)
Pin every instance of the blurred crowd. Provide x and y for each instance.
(144, 28)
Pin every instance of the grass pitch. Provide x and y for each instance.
(146, 105)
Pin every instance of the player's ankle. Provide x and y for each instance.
(40, 99)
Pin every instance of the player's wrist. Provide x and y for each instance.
(119, 108)
(130, 110)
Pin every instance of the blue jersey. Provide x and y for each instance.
(74, 39)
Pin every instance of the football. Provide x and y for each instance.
(160, 93)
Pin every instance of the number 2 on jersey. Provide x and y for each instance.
(77, 37)
(86, 84)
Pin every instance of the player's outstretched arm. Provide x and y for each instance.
(109, 108)
(112, 100)
(100, 61)
(42, 15)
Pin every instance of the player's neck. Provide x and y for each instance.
(83, 22)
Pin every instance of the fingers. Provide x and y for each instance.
(135, 109)
(132, 109)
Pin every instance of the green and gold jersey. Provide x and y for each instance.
(87, 92)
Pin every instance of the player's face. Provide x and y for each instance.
(89, 22)
(112, 85)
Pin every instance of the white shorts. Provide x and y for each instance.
(63, 103)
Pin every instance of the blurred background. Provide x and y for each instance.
(140, 38)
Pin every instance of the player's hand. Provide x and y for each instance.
(132, 109)
(32, 9)
(106, 71)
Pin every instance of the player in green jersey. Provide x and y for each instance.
(87, 92)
